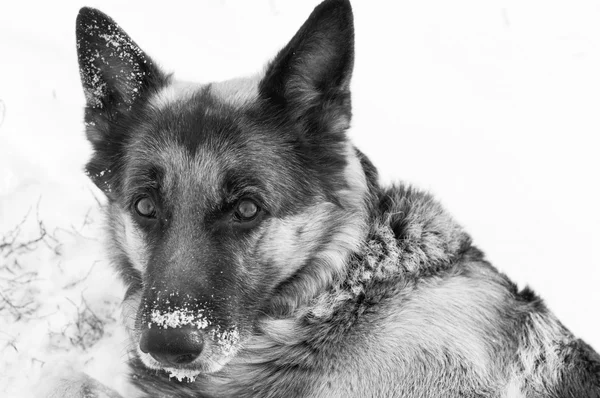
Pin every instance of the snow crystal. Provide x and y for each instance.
(177, 318)
(183, 374)
(227, 340)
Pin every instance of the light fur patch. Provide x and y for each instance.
(540, 341)
(237, 92)
(544, 333)
(355, 176)
(344, 227)
(350, 237)
(283, 247)
(131, 240)
(454, 315)
(129, 309)
(513, 389)
(176, 91)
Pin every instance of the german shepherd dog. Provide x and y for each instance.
(264, 259)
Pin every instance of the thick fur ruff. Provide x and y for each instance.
(264, 259)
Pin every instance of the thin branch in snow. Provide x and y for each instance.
(77, 282)
(9, 245)
(98, 201)
(17, 310)
(89, 328)
(15, 281)
(10, 342)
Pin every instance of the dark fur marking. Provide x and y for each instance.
(581, 375)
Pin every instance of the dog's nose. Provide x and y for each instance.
(174, 346)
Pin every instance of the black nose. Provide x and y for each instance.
(176, 346)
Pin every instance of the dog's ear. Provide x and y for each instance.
(115, 73)
(117, 80)
(312, 73)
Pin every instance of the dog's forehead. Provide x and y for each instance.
(202, 116)
(198, 134)
(198, 119)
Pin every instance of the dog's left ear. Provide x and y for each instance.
(312, 73)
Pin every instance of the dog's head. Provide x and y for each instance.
(228, 202)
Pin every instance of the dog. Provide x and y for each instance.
(264, 259)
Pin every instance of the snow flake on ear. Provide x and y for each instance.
(102, 179)
(114, 70)
(94, 87)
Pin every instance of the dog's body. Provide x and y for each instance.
(263, 259)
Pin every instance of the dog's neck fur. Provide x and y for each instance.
(405, 234)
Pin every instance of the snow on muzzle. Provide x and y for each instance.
(175, 335)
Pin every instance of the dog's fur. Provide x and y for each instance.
(338, 287)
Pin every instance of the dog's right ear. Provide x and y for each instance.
(312, 72)
(118, 78)
(116, 74)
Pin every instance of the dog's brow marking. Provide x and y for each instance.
(181, 168)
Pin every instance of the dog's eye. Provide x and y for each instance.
(145, 207)
(246, 210)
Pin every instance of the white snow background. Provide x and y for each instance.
(492, 105)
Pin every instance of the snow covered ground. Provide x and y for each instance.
(493, 106)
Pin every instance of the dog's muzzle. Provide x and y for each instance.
(172, 346)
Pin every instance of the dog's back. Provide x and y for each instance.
(264, 259)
